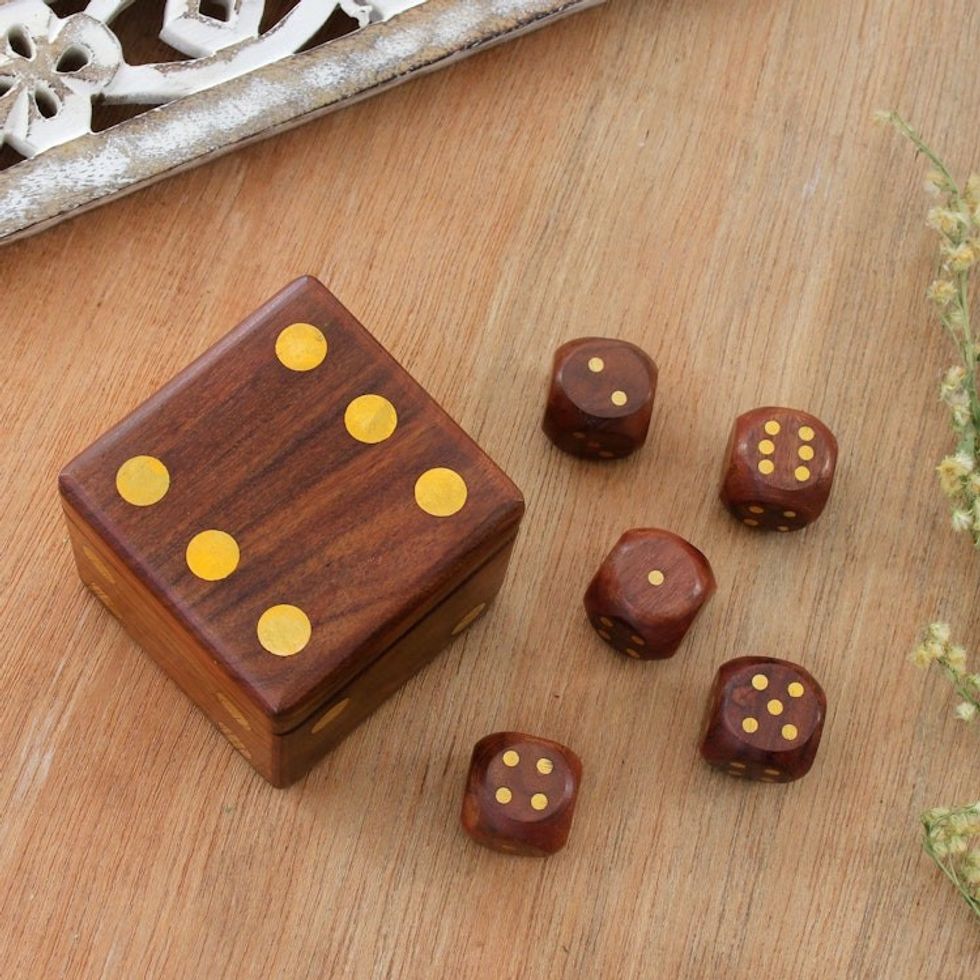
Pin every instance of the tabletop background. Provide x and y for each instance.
(699, 177)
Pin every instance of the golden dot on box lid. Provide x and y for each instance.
(750, 725)
(545, 766)
(301, 347)
(795, 689)
(766, 466)
(212, 555)
(802, 474)
(635, 654)
(441, 492)
(789, 513)
(503, 795)
(596, 365)
(767, 447)
(284, 630)
(604, 634)
(142, 481)
(772, 772)
(638, 640)
(760, 682)
(511, 758)
(790, 732)
(619, 398)
(370, 419)
(539, 801)
(806, 453)
(755, 509)
(772, 428)
(775, 707)
(656, 578)
(782, 527)
(806, 433)
(750, 522)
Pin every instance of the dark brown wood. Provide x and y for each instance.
(647, 593)
(346, 530)
(520, 794)
(779, 469)
(765, 719)
(601, 398)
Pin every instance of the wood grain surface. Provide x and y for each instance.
(698, 177)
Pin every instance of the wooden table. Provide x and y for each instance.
(701, 179)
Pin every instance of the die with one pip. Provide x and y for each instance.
(601, 398)
(779, 469)
(520, 794)
(765, 719)
(291, 528)
(647, 593)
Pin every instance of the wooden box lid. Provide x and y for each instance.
(354, 518)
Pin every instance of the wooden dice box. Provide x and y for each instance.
(291, 528)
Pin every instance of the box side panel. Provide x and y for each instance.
(175, 650)
(305, 745)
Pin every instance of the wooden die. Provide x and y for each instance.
(779, 469)
(291, 528)
(765, 719)
(520, 794)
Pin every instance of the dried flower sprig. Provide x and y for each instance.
(957, 221)
(952, 840)
(952, 836)
(935, 647)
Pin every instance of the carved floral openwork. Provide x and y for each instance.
(99, 97)
(52, 67)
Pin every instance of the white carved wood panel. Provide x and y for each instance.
(223, 86)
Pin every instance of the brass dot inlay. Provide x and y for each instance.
(766, 466)
(767, 447)
(806, 453)
(545, 766)
(630, 652)
(539, 801)
(790, 732)
(212, 555)
(772, 428)
(782, 527)
(754, 509)
(619, 398)
(142, 481)
(775, 707)
(370, 419)
(441, 492)
(301, 347)
(772, 772)
(795, 690)
(232, 709)
(469, 619)
(737, 765)
(331, 714)
(503, 795)
(789, 513)
(511, 758)
(596, 365)
(604, 634)
(750, 725)
(284, 630)
(606, 621)
(806, 433)
(638, 640)
(656, 577)
(750, 522)
(802, 474)
(760, 682)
